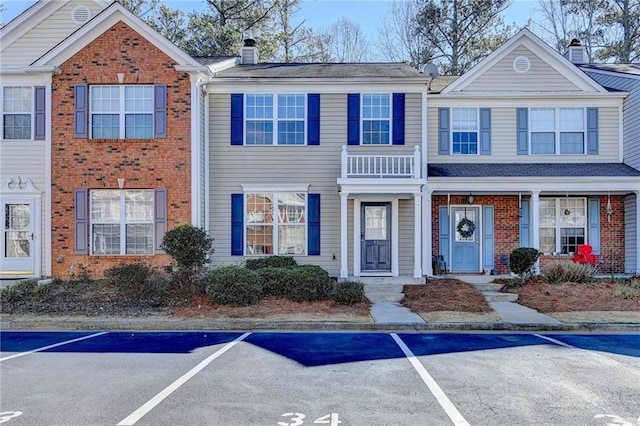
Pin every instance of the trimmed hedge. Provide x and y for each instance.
(348, 292)
(275, 281)
(234, 285)
(522, 260)
(309, 283)
(270, 262)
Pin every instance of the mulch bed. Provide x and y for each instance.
(569, 297)
(444, 294)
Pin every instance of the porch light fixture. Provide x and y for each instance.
(470, 199)
(609, 208)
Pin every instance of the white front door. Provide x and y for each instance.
(18, 234)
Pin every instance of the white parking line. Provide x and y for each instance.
(435, 389)
(557, 342)
(66, 342)
(149, 405)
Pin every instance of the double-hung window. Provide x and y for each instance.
(557, 130)
(275, 223)
(17, 112)
(275, 119)
(376, 119)
(563, 224)
(122, 112)
(122, 222)
(464, 126)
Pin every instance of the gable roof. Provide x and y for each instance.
(102, 22)
(529, 40)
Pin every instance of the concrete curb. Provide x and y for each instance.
(121, 324)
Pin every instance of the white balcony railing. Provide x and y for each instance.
(381, 166)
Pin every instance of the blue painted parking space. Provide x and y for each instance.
(433, 344)
(24, 341)
(622, 344)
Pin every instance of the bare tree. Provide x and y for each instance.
(622, 40)
(398, 40)
(346, 41)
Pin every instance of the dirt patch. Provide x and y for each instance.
(444, 295)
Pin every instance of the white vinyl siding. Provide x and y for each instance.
(503, 139)
(318, 166)
(46, 35)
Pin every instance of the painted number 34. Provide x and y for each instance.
(296, 419)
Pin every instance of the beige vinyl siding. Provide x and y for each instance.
(503, 141)
(631, 113)
(405, 237)
(46, 35)
(541, 77)
(318, 166)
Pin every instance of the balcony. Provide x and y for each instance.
(381, 166)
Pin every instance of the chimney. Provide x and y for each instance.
(249, 52)
(576, 52)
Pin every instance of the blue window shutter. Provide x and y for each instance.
(398, 119)
(237, 114)
(594, 224)
(160, 111)
(443, 234)
(485, 131)
(522, 126)
(313, 226)
(525, 224)
(237, 224)
(159, 217)
(592, 131)
(313, 119)
(353, 119)
(40, 113)
(81, 201)
(443, 131)
(488, 237)
(81, 106)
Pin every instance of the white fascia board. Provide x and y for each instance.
(537, 46)
(101, 23)
(311, 86)
(27, 78)
(390, 186)
(586, 184)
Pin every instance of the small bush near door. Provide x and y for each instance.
(234, 285)
(348, 292)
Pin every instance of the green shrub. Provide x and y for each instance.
(275, 281)
(627, 292)
(270, 262)
(23, 290)
(309, 283)
(348, 292)
(136, 281)
(190, 247)
(568, 272)
(522, 260)
(234, 285)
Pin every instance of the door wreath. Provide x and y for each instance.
(466, 227)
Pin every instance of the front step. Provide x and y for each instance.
(384, 292)
(496, 296)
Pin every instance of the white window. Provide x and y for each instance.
(122, 222)
(464, 125)
(376, 119)
(121, 112)
(275, 223)
(558, 130)
(563, 224)
(17, 112)
(287, 115)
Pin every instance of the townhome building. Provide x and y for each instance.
(526, 150)
(624, 77)
(122, 114)
(324, 162)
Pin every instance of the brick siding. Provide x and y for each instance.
(97, 164)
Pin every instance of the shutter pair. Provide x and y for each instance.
(237, 224)
(444, 131)
(353, 119)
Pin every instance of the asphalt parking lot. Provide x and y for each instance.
(330, 378)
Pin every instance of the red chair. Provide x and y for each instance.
(585, 255)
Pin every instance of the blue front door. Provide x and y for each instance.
(376, 237)
(465, 246)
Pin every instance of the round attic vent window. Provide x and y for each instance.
(521, 64)
(81, 14)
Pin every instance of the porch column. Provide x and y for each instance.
(344, 270)
(637, 232)
(427, 249)
(417, 236)
(535, 222)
